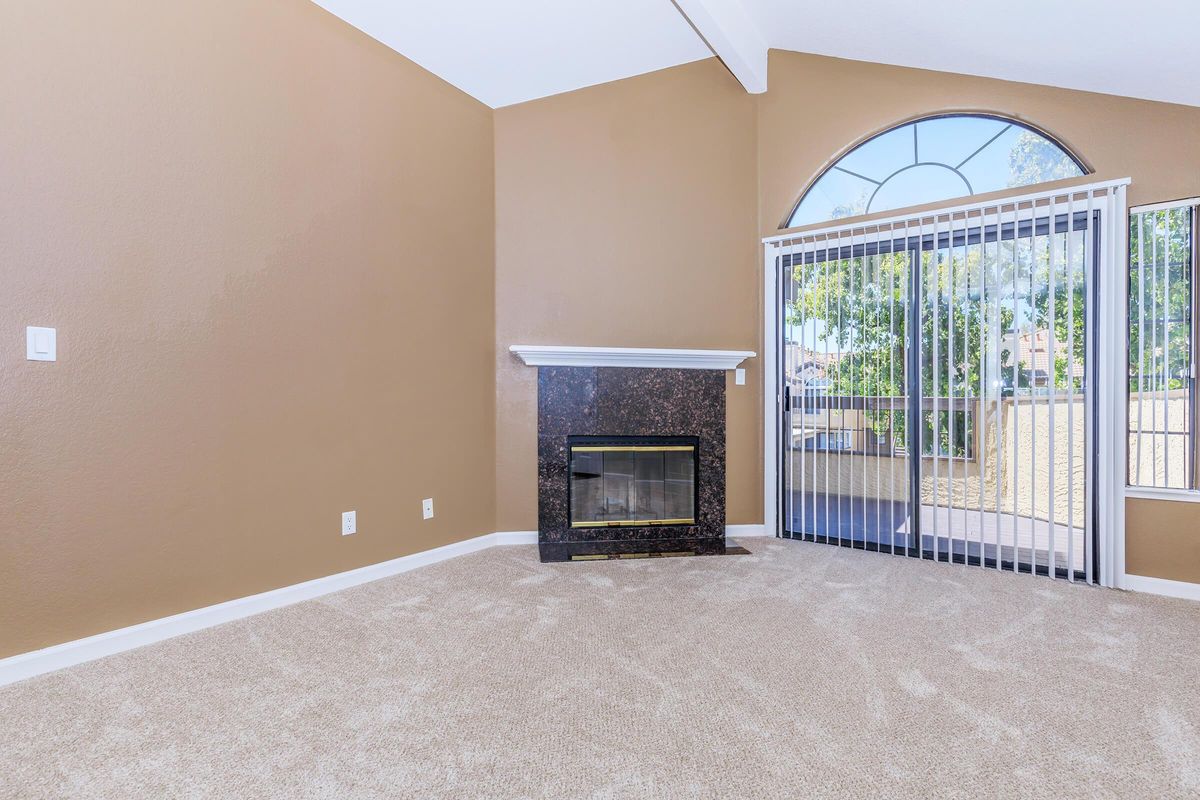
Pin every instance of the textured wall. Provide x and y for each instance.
(246, 220)
(1162, 540)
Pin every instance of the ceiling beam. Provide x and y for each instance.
(728, 30)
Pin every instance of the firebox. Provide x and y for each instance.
(632, 481)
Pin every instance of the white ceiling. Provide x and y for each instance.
(1145, 48)
(509, 51)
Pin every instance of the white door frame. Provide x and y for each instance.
(1112, 409)
(772, 398)
(1112, 381)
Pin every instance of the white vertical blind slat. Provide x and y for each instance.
(1089, 386)
(1071, 386)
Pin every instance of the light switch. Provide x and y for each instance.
(41, 344)
(739, 377)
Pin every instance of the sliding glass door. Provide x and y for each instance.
(937, 387)
(846, 324)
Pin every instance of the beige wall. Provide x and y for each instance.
(266, 242)
(1162, 540)
(625, 216)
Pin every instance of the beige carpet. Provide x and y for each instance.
(800, 671)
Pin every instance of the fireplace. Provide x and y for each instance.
(631, 462)
(628, 481)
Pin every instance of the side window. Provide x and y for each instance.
(1162, 372)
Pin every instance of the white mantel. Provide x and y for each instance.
(553, 355)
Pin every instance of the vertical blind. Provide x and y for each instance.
(939, 382)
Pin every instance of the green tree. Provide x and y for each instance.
(1160, 300)
(1034, 159)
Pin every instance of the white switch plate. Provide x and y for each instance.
(739, 377)
(349, 522)
(427, 508)
(41, 344)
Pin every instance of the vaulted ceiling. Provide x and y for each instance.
(509, 51)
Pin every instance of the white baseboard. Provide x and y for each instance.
(1167, 588)
(742, 531)
(27, 665)
(515, 537)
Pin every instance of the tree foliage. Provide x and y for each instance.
(1034, 159)
(1160, 299)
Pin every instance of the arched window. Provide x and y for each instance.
(934, 158)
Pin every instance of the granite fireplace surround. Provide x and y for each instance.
(630, 401)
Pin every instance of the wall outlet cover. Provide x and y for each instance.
(41, 344)
(349, 522)
(427, 508)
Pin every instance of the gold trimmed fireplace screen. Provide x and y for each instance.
(632, 481)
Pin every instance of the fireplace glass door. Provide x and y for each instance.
(632, 481)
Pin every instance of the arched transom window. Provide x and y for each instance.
(931, 159)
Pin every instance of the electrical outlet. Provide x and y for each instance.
(349, 522)
(427, 508)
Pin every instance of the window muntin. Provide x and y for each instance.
(934, 159)
(1162, 396)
